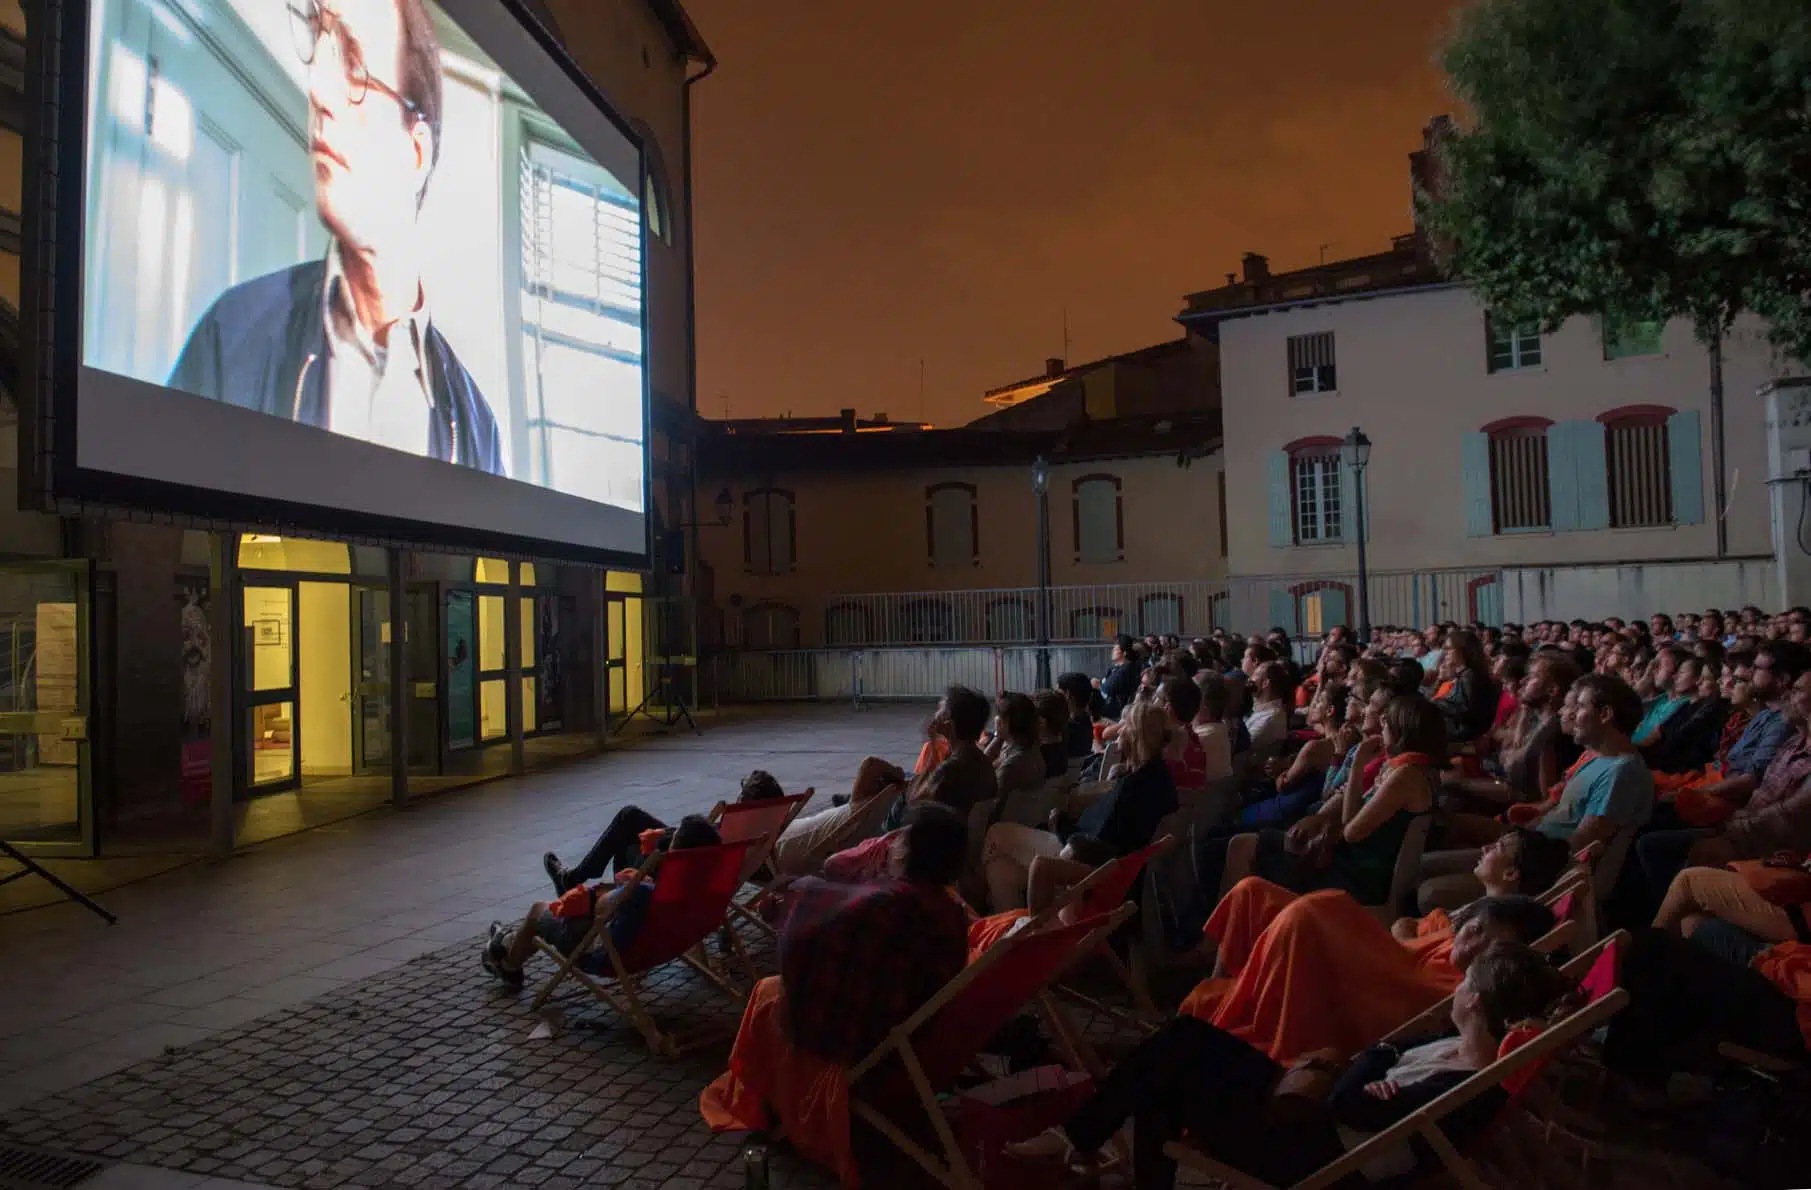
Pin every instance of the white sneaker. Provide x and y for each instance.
(1050, 1145)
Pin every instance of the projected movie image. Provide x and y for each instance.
(347, 215)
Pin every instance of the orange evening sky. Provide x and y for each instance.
(884, 181)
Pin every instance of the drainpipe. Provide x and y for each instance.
(691, 336)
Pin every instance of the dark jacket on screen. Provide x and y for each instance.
(262, 345)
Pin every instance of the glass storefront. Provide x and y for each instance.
(44, 706)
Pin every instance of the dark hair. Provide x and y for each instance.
(694, 830)
(1516, 984)
(1077, 689)
(1738, 657)
(1261, 653)
(1418, 726)
(1561, 671)
(1369, 673)
(1710, 652)
(1406, 676)
(1279, 678)
(760, 786)
(1517, 649)
(1514, 669)
(1522, 916)
(1184, 698)
(1470, 649)
(1187, 662)
(419, 78)
(968, 712)
(1540, 859)
(1617, 695)
(1125, 643)
(1789, 658)
(1018, 718)
(1345, 650)
(936, 843)
(1053, 709)
(1214, 694)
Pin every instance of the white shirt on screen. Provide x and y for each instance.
(375, 393)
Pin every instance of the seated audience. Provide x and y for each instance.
(855, 961)
(1272, 696)
(1016, 750)
(1688, 739)
(1611, 791)
(1121, 680)
(1183, 754)
(563, 923)
(1297, 785)
(1192, 1078)
(1527, 756)
(1078, 732)
(630, 834)
(1467, 695)
(1210, 726)
(1053, 724)
(1119, 822)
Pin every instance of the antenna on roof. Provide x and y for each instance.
(1324, 247)
(1065, 333)
(921, 388)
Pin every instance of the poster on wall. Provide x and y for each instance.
(461, 671)
(197, 771)
(550, 714)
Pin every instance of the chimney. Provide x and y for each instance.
(848, 421)
(880, 419)
(1054, 367)
(1257, 267)
(1427, 178)
(1232, 278)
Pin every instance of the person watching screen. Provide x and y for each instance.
(348, 343)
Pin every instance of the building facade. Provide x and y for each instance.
(112, 718)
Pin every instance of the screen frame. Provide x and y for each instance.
(53, 243)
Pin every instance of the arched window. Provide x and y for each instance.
(1638, 455)
(1320, 606)
(656, 194)
(1100, 523)
(926, 622)
(770, 532)
(770, 626)
(848, 624)
(1160, 615)
(1094, 623)
(1010, 620)
(1520, 487)
(952, 525)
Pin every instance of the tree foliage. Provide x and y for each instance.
(1636, 158)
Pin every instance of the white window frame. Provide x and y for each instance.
(1512, 347)
(1316, 514)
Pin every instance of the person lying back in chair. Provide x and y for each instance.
(563, 923)
(625, 840)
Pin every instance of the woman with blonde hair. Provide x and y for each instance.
(1118, 823)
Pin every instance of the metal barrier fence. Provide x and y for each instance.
(856, 675)
(1305, 605)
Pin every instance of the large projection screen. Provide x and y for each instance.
(354, 266)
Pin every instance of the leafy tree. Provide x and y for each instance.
(1638, 159)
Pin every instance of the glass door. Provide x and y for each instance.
(371, 680)
(45, 803)
(616, 655)
(270, 688)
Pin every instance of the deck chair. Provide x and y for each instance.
(759, 824)
(925, 1054)
(1515, 1071)
(693, 892)
(1103, 891)
(1408, 869)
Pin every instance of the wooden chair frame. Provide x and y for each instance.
(745, 910)
(953, 1170)
(1425, 1123)
(625, 996)
(1145, 1014)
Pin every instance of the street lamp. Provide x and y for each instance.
(1356, 450)
(1040, 483)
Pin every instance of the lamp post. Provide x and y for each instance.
(1040, 483)
(1356, 451)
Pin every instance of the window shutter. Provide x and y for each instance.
(1474, 461)
(1097, 522)
(1333, 608)
(1592, 474)
(1490, 604)
(1282, 532)
(1687, 466)
(1282, 611)
(779, 532)
(1562, 475)
(1348, 503)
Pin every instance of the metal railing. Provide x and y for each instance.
(901, 674)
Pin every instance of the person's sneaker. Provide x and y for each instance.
(1051, 1145)
(495, 951)
(556, 872)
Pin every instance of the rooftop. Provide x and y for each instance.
(1056, 371)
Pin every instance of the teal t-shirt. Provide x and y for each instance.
(1619, 788)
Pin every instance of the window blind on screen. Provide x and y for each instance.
(581, 323)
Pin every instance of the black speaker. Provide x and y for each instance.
(672, 550)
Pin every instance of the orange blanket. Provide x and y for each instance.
(811, 1095)
(1788, 965)
(1320, 973)
(983, 932)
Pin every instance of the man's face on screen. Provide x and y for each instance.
(370, 153)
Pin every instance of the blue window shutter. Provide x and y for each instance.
(1333, 608)
(1282, 610)
(1687, 462)
(1282, 532)
(1562, 475)
(1490, 604)
(1593, 471)
(1348, 504)
(1474, 461)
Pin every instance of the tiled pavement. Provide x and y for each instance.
(282, 933)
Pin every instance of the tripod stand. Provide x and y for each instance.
(673, 699)
(30, 867)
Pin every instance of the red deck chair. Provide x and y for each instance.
(761, 824)
(1104, 891)
(1523, 1057)
(693, 891)
(924, 1055)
